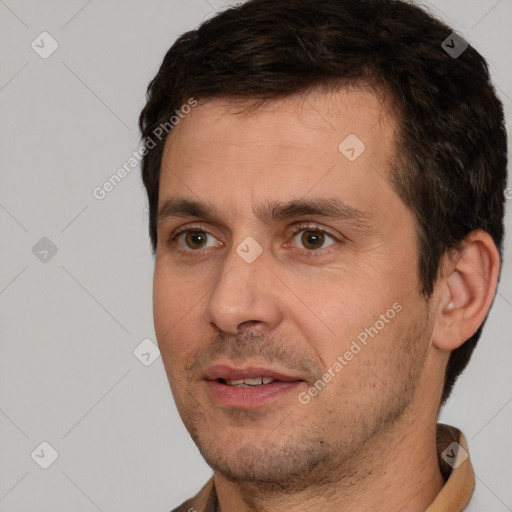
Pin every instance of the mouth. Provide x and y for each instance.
(247, 383)
(248, 387)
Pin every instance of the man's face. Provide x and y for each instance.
(264, 285)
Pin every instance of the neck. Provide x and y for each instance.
(397, 471)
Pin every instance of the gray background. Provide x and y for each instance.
(70, 323)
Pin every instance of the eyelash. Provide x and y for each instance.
(295, 231)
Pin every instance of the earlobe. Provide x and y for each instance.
(467, 288)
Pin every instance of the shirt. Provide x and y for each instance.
(454, 462)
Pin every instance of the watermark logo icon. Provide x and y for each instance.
(146, 352)
(44, 45)
(249, 250)
(454, 45)
(44, 455)
(352, 147)
(44, 250)
(454, 455)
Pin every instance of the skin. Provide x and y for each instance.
(367, 440)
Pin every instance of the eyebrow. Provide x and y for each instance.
(331, 207)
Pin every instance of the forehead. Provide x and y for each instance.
(247, 150)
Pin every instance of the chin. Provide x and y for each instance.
(274, 466)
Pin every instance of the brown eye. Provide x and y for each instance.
(194, 240)
(313, 238)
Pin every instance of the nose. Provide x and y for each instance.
(245, 295)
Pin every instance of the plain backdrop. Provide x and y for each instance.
(76, 271)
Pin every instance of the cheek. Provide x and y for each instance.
(178, 305)
(341, 311)
(164, 304)
(174, 294)
(171, 310)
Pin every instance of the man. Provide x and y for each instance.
(326, 189)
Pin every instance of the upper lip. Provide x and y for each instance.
(227, 372)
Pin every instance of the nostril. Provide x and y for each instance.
(248, 323)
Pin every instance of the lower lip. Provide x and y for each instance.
(247, 398)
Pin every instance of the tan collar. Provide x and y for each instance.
(452, 452)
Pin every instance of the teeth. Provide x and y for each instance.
(235, 382)
(257, 381)
(247, 383)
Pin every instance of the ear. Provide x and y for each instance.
(466, 289)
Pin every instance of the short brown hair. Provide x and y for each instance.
(452, 145)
